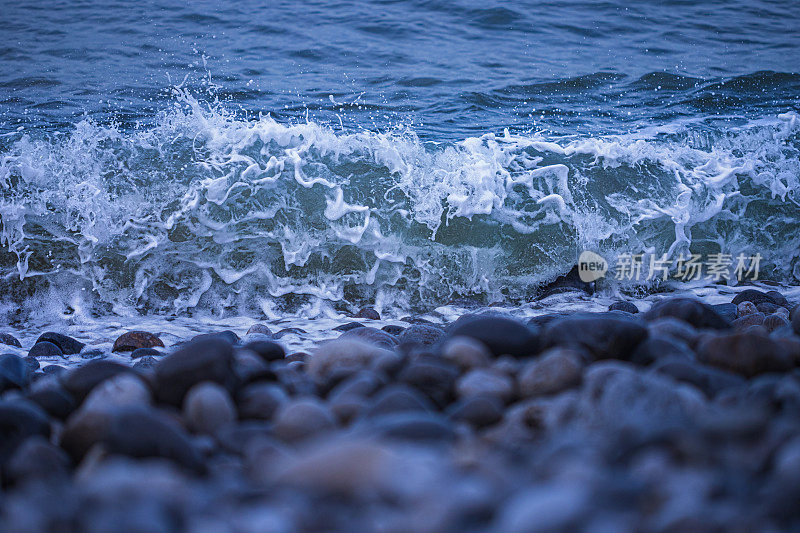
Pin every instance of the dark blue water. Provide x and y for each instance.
(244, 155)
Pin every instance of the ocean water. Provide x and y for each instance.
(217, 163)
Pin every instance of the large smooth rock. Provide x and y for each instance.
(371, 335)
(502, 335)
(14, 373)
(302, 419)
(421, 334)
(691, 311)
(343, 356)
(368, 313)
(745, 353)
(45, 349)
(65, 343)
(209, 359)
(260, 400)
(433, 376)
(9, 340)
(660, 347)
(134, 340)
(555, 370)
(208, 408)
(603, 335)
(37, 460)
(478, 411)
(145, 432)
(20, 419)
(757, 297)
(398, 399)
(267, 350)
(485, 382)
(466, 352)
(81, 380)
(54, 400)
(122, 390)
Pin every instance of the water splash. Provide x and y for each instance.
(209, 211)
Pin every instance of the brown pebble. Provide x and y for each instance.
(133, 340)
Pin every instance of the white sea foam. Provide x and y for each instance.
(207, 211)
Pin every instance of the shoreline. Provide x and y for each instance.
(680, 415)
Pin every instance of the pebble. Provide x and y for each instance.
(342, 356)
(479, 411)
(603, 336)
(66, 344)
(9, 340)
(121, 390)
(208, 408)
(501, 335)
(261, 329)
(751, 319)
(133, 340)
(37, 460)
(397, 399)
(260, 400)
(208, 359)
(623, 305)
(745, 353)
(690, 310)
(19, 420)
(757, 297)
(81, 380)
(54, 400)
(142, 432)
(348, 326)
(555, 370)
(746, 308)
(14, 373)
(466, 352)
(485, 382)
(421, 334)
(393, 329)
(302, 418)
(368, 313)
(267, 350)
(145, 352)
(45, 349)
(774, 322)
(371, 335)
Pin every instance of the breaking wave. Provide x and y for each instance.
(205, 210)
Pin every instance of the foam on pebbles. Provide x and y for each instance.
(682, 416)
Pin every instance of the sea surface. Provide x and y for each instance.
(200, 164)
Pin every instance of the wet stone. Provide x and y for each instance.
(208, 408)
(81, 380)
(134, 340)
(267, 350)
(745, 353)
(602, 335)
(14, 373)
(209, 359)
(368, 313)
(371, 335)
(751, 319)
(421, 334)
(9, 340)
(466, 352)
(555, 370)
(501, 335)
(348, 326)
(66, 344)
(261, 329)
(690, 310)
(45, 349)
(774, 322)
(746, 308)
(625, 306)
(393, 329)
(145, 352)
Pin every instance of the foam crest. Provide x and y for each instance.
(208, 212)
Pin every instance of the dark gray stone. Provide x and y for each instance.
(65, 343)
(14, 373)
(502, 335)
(45, 349)
(601, 334)
(81, 380)
(9, 340)
(208, 359)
